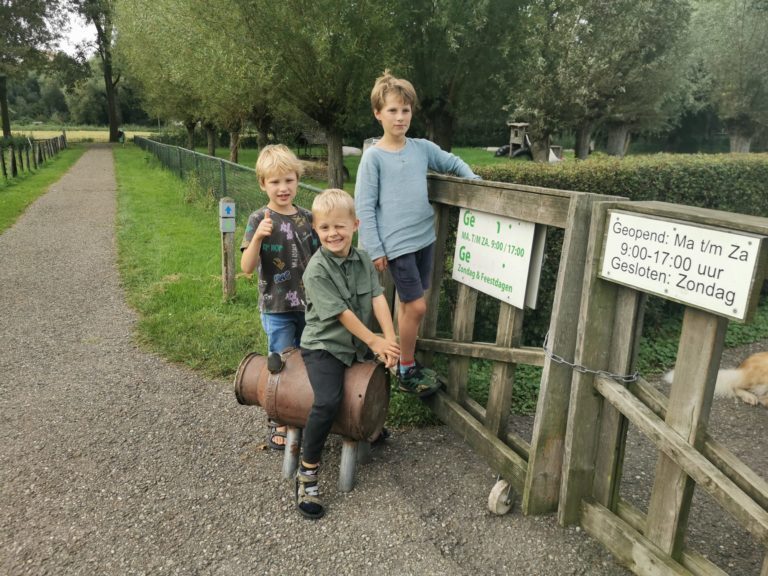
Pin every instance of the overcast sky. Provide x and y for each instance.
(78, 31)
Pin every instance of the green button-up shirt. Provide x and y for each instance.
(333, 285)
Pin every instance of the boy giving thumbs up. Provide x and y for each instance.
(278, 243)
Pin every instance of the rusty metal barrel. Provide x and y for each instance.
(287, 396)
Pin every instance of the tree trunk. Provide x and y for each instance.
(190, 126)
(262, 119)
(263, 126)
(111, 87)
(618, 140)
(6, 118)
(335, 159)
(234, 145)
(583, 139)
(440, 129)
(210, 133)
(234, 128)
(740, 143)
(540, 149)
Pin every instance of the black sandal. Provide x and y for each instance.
(273, 433)
(308, 501)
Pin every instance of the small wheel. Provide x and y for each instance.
(501, 498)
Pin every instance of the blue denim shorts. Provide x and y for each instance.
(411, 273)
(283, 329)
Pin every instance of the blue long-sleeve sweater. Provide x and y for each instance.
(391, 199)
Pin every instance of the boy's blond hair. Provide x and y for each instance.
(276, 160)
(332, 199)
(387, 84)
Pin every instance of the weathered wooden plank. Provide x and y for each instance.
(764, 571)
(429, 324)
(745, 510)
(498, 455)
(726, 461)
(546, 458)
(701, 216)
(593, 346)
(476, 409)
(692, 560)
(627, 330)
(463, 327)
(698, 360)
(630, 547)
(521, 355)
(496, 198)
(509, 333)
(518, 444)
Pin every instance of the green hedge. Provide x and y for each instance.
(731, 182)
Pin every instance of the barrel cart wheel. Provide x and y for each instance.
(502, 498)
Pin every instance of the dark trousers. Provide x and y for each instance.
(326, 375)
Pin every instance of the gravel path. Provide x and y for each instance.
(114, 461)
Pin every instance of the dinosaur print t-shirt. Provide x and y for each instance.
(284, 256)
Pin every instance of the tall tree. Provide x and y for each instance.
(144, 35)
(100, 13)
(732, 38)
(219, 82)
(452, 51)
(323, 57)
(27, 29)
(650, 76)
(586, 61)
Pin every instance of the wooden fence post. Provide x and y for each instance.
(227, 228)
(690, 401)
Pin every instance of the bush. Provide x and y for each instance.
(731, 182)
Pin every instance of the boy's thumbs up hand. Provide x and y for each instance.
(265, 226)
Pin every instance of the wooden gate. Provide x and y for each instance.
(532, 469)
(602, 406)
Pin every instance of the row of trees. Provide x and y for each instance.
(46, 95)
(623, 67)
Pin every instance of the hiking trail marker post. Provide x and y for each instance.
(227, 229)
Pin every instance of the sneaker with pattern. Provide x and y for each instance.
(418, 380)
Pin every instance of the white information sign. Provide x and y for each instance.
(707, 268)
(493, 255)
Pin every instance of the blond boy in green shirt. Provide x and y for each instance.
(343, 295)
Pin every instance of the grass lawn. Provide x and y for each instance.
(18, 193)
(170, 261)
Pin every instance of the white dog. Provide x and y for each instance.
(749, 381)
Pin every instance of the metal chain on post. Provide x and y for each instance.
(622, 378)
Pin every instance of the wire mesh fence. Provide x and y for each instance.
(218, 178)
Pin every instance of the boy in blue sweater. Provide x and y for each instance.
(397, 227)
